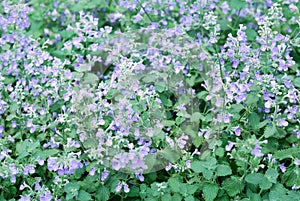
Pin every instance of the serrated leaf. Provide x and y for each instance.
(210, 191)
(168, 122)
(254, 120)
(254, 178)
(85, 67)
(223, 170)
(271, 175)
(297, 82)
(176, 197)
(102, 194)
(71, 187)
(200, 166)
(207, 174)
(166, 197)
(189, 198)
(262, 124)
(252, 99)
(13, 107)
(197, 141)
(174, 184)
(251, 34)
(202, 95)
(236, 108)
(270, 130)
(84, 196)
(192, 189)
(265, 184)
(90, 78)
(196, 116)
(233, 186)
(287, 153)
(236, 4)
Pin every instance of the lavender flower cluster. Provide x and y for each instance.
(149, 100)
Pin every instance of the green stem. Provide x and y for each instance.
(145, 10)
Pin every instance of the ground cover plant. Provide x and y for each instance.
(149, 100)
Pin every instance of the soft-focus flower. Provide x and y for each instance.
(282, 167)
(229, 146)
(46, 196)
(24, 198)
(257, 151)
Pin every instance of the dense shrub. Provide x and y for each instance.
(149, 100)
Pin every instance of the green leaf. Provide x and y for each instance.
(202, 95)
(277, 192)
(207, 174)
(220, 152)
(233, 186)
(166, 197)
(254, 178)
(174, 184)
(197, 141)
(270, 130)
(176, 197)
(90, 78)
(192, 189)
(200, 166)
(236, 108)
(13, 107)
(271, 175)
(265, 184)
(85, 67)
(10, 117)
(262, 124)
(102, 194)
(287, 153)
(183, 113)
(297, 82)
(196, 116)
(254, 120)
(223, 170)
(84, 196)
(71, 187)
(252, 99)
(150, 78)
(251, 34)
(189, 198)
(237, 4)
(168, 122)
(210, 191)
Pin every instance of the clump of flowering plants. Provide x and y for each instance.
(149, 100)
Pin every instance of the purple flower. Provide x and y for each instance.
(37, 185)
(140, 177)
(74, 165)
(257, 151)
(40, 162)
(29, 169)
(29, 122)
(237, 131)
(24, 198)
(1, 129)
(104, 175)
(119, 187)
(126, 188)
(14, 124)
(92, 171)
(52, 164)
(229, 146)
(188, 163)
(282, 167)
(46, 196)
